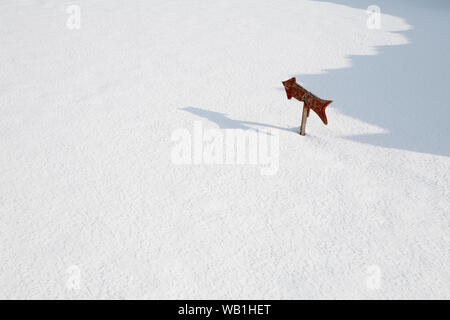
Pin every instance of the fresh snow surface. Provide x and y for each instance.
(92, 204)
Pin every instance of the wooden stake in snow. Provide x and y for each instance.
(310, 101)
(304, 117)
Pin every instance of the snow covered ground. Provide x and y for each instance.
(92, 204)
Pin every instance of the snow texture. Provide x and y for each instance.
(91, 205)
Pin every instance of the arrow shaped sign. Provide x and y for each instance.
(310, 101)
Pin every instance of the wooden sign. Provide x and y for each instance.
(310, 101)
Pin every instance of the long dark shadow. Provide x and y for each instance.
(225, 122)
(403, 89)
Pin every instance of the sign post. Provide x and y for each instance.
(310, 101)
(304, 117)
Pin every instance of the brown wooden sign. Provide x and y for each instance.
(310, 101)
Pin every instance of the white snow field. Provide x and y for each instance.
(92, 204)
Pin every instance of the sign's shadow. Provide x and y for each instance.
(223, 121)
